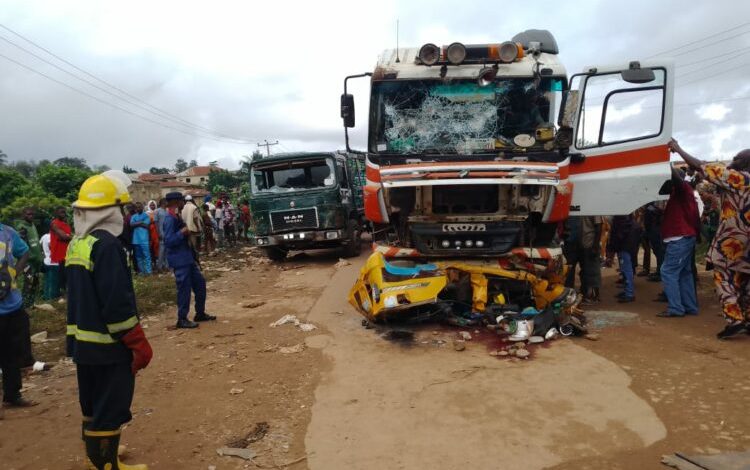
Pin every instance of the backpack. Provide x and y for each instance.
(6, 280)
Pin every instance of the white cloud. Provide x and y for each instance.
(712, 112)
(274, 70)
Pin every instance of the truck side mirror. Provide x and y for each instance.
(635, 74)
(347, 110)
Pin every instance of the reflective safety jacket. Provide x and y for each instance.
(101, 300)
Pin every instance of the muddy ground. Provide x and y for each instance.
(342, 396)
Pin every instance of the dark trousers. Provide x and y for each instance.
(657, 245)
(590, 265)
(189, 279)
(15, 351)
(105, 393)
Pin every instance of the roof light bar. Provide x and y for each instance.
(455, 53)
(429, 54)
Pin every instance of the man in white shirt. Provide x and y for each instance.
(50, 275)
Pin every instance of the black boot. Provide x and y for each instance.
(204, 317)
(186, 324)
(101, 450)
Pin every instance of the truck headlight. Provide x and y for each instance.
(331, 235)
(480, 244)
(445, 244)
(469, 243)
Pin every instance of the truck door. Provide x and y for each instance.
(622, 123)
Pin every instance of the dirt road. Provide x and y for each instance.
(342, 396)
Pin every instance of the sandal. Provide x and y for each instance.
(733, 329)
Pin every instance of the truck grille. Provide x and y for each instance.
(294, 219)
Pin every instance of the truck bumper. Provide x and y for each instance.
(303, 239)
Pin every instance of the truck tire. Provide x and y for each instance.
(353, 246)
(275, 254)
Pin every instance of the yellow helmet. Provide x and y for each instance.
(101, 191)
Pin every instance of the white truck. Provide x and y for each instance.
(480, 150)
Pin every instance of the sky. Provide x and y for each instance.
(213, 79)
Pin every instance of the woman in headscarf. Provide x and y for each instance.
(153, 231)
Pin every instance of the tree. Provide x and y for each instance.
(127, 169)
(101, 168)
(193, 163)
(158, 171)
(14, 185)
(72, 162)
(45, 205)
(223, 180)
(26, 167)
(180, 165)
(63, 182)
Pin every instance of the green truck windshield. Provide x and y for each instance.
(287, 176)
(416, 116)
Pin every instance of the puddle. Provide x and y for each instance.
(600, 319)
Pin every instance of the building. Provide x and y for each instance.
(196, 176)
(143, 191)
(151, 178)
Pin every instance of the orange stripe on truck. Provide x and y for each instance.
(613, 161)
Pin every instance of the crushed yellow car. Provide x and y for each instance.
(401, 288)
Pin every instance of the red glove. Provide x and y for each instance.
(136, 341)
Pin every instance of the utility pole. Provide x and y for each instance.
(268, 145)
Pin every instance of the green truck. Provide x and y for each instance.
(302, 201)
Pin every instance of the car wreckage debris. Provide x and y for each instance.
(519, 300)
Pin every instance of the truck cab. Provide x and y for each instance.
(302, 201)
(479, 150)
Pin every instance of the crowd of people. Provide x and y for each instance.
(707, 202)
(211, 226)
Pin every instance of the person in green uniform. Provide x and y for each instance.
(29, 279)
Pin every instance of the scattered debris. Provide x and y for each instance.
(464, 335)
(236, 391)
(253, 304)
(247, 454)
(722, 461)
(459, 344)
(45, 307)
(40, 366)
(341, 263)
(293, 319)
(256, 434)
(536, 340)
(592, 336)
(39, 338)
(297, 348)
(522, 353)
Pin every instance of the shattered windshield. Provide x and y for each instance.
(293, 176)
(460, 116)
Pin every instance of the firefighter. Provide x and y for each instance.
(104, 335)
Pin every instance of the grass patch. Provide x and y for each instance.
(153, 293)
(51, 322)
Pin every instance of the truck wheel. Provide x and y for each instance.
(354, 246)
(275, 254)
